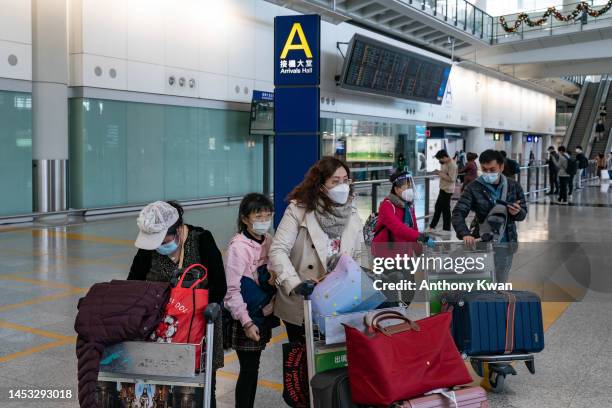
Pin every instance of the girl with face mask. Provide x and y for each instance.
(396, 216)
(247, 259)
(167, 244)
(319, 224)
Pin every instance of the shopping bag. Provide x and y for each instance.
(402, 361)
(295, 375)
(346, 289)
(183, 320)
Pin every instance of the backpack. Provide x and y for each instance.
(572, 166)
(369, 228)
(493, 227)
(583, 162)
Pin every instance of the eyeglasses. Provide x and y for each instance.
(337, 181)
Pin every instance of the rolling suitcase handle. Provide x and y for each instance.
(305, 289)
(211, 314)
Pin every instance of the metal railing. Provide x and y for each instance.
(460, 14)
(550, 27)
(111, 210)
(533, 179)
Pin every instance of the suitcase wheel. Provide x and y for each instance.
(496, 381)
(497, 376)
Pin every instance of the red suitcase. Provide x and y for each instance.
(468, 397)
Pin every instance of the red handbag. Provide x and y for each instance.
(183, 320)
(402, 361)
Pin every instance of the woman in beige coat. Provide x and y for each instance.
(318, 226)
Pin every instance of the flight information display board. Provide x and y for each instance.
(375, 67)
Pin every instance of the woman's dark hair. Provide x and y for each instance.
(490, 155)
(252, 203)
(601, 155)
(394, 177)
(471, 156)
(561, 149)
(309, 191)
(179, 208)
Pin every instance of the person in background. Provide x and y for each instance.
(448, 178)
(319, 224)
(600, 162)
(470, 171)
(247, 258)
(609, 165)
(600, 129)
(396, 217)
(512, 168)
(401, 162)
(583, 163)
(480, 197)
(553, 171)
(165, 246)
(564, 177)
(397, 224)
(531, 158)
(572, 171)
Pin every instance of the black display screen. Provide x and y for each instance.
(374, 67)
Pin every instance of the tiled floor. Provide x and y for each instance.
(45, 268)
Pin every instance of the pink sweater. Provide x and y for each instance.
(243, 257)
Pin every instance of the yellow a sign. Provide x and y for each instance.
(303, 45)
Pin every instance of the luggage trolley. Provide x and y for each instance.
(324, 353)
(492, 368)
(171, 364)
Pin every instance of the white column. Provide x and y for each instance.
(477, 142)
(49, 104)
(517, 147)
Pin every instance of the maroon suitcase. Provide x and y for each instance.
(468, 397)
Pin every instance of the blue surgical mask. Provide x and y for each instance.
(490, 178)
(167, 249)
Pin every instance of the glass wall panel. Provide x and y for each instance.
(373, 150)
(133, 153)
(15, 153)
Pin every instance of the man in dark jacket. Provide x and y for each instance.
(553, 171)
(480, 196)
(512, 168)
(583, 163)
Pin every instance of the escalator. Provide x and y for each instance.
(584, 115)
(599, 145)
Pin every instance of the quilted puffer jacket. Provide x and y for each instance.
(113, 312)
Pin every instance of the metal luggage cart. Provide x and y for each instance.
(323, 354)
(171, 364)
(493, 368)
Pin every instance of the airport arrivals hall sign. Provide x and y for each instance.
(296, 50)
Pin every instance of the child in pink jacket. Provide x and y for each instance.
(246, 258)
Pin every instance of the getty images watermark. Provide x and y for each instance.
(556, 271)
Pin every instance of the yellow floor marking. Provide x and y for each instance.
(33, 330)
(82, 237)
(552, 311)
(38, 282)
(43, 299)
(264, 383)
(34, 350)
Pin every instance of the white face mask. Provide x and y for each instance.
(339, 194)
(408, 195)
(261, 227)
